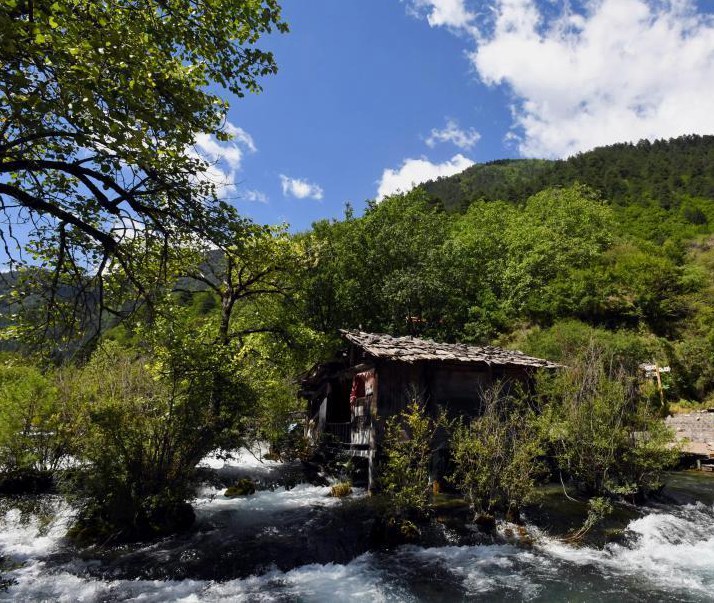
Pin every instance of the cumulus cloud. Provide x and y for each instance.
(416, 171)
(224, 159)
(599, 72)
(464, 139)
(444, 13)
(299, 188)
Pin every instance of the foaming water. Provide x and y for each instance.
(671, 550)
(261, 506)
(27, 532)
(29, 541)
(666, 555)
(243, 458)
(357, 581)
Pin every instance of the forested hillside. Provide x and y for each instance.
(612, 246)
(667, 173)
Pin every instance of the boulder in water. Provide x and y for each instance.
(26, 482)
(486, 523)
(243, 487)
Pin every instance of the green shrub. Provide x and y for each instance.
(602, 434)
(150, 418)
(37, 432)
(598, 509)
(408, 449)
(566, 339)
(495, 456)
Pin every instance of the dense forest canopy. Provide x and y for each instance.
(540, 255)
(663, 173)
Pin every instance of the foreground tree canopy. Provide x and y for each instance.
(101, 103)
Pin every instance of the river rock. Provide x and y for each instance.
(243, 487)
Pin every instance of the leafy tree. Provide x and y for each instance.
(477, 254)
(381, 271)
(259, 262)
(559, 230)
(693, 366)
(151, 414)
(258, 315)
(102, 103)
(403, 234)
(508, 261)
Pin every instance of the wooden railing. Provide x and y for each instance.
(342, 431)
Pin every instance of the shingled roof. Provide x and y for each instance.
(412, 349)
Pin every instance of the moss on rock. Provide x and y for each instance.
(243, 487)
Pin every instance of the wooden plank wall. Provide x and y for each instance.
(399, 382)
(455, 387)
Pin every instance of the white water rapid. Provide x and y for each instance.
(666, 555)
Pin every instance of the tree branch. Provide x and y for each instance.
(38, 205)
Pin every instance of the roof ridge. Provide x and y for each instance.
(410, 349)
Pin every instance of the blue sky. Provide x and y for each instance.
(375, 95)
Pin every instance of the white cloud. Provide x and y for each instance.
(254, 196)
(224, 159)
(214, 151)
(416, 171)
(299, 188)
(464, 139)
(240, 136)
(614, 70)
(446, 13)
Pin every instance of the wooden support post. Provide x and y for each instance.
(659, 384)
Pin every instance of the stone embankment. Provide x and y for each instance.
(695, 427)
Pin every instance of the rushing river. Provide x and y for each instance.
(664, 555)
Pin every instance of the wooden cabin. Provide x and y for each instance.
(376, 376)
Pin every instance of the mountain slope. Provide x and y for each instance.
(666, 173)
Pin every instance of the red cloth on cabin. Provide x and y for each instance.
(357, 388)
(361, 382)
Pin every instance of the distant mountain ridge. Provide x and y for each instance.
(664, 172)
